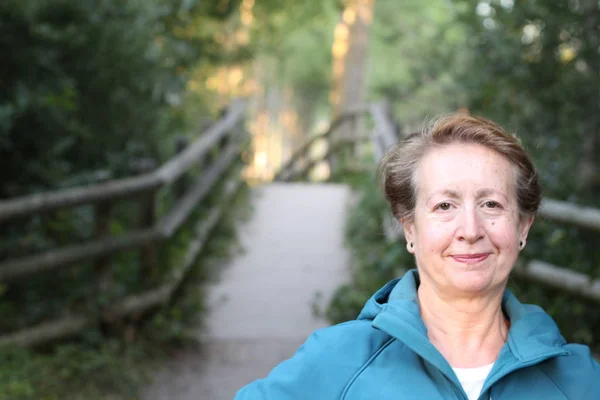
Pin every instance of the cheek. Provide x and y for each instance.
(504, 235)
(434, 235)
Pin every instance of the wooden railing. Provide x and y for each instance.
(384, 136)
(300, 163)
(213, 153)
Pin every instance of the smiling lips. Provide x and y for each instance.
(470, 258)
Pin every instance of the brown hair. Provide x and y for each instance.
(397, 169)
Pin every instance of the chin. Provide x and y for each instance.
(473, 281)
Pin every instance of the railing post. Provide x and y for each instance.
(224, 142)
(355, 127)
(341, 144)
(181, 143)
(146, 220)
(333, 159)
(102, 266)
(349, 147)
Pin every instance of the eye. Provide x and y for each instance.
(492, 204)
(443, 206)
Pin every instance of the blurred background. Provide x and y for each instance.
(105, 94)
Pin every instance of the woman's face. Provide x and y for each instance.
(466, 227)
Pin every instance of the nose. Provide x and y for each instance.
(470, 226)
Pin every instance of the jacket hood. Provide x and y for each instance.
(376, 302)
(394, 309)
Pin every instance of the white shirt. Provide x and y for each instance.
(472, 379)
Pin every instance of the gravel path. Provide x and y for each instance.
(260, 310)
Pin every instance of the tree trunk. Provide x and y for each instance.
(589, 166)
(350, 50)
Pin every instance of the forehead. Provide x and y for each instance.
(460, 167)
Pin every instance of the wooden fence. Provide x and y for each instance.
(213, 153)
(300, 163)
(384, 135)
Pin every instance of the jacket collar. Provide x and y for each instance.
(533, 334)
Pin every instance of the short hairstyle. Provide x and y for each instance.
(397, 169)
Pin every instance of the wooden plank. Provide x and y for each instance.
(287, 175)
(171, 222)
(563, 279)
(122, 188)
(385, 127)
(139, 303)
(377, 145)
(20, 268)
(47, 332)
(174, 168)
(42, 202)
(284, 171)
(54, 259)
(562, 211)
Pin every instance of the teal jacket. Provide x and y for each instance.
(385, 355)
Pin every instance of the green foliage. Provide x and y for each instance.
(282, 20)
(413, 51)
(65, 55)
(293, 43)
(92, 86)
(69, 368)
(375, 261)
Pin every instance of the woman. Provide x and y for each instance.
(466, 194)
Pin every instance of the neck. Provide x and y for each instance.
(468, 331)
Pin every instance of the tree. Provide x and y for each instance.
(88, 86)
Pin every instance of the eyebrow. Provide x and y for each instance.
(487, 192)
(454, 194)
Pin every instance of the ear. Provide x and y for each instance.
(409, 233)
(524, 226)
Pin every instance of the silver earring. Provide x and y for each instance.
(412, 245)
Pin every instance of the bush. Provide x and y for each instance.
(375, 261)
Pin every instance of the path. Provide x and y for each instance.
(260, 311)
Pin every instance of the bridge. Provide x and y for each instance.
(261, 308)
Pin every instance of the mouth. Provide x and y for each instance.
(470, 258)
